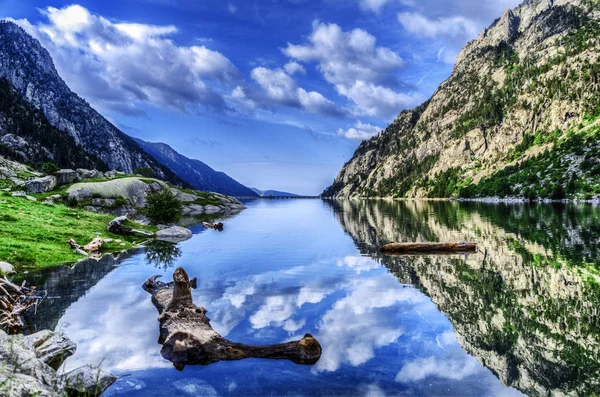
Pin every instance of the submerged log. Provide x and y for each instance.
(428, 247)
(216, 226)
(188, 338)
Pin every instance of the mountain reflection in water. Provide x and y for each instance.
(525, 305)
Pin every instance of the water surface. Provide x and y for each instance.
(518, 316)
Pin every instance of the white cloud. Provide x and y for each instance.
(360, 131)
(294, 67)
(281, 88)
(454, 369)
(419, 25)
(121, 65)
(232, 8)
(358, 69)
(372, 5)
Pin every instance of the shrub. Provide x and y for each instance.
(163, 207)
(49, 168)
(558, 193)
(144, 171)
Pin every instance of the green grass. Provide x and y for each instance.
(34, 235)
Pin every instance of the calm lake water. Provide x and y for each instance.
(519, 316)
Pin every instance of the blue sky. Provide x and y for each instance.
(276, 93)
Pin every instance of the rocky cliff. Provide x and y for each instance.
(30, 71)
(197, 174)
(521, 103)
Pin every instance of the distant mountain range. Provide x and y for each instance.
(41, 120)
(274, 193)
(199, 175)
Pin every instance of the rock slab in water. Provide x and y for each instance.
(88, 381)
(174, 234)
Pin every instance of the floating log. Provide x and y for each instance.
(117, 226)
(14, 301)
(216, 226)
(188, 338)
(428, 247)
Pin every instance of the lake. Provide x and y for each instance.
(521, 315)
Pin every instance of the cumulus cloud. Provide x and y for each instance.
(120, 65)
(281, 89)
(454, 369)
(372, 5)
(448, 26)
(360, 132)
(358, 69)
(294, 67)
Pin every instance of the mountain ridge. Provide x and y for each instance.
(194, 172)
(30, 69)
(533, 72)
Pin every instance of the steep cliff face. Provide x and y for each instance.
(515, 91)
(30, 70)
(525, 304)
(199, 175)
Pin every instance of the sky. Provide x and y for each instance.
(276, 93)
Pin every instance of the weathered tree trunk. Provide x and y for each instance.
(14, 301)
(428, 247)
(117, 226)
(93, 247)
(188, 338)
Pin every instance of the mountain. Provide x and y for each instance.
(197, 174)
(517, 116)
(30, 70)
(27, 136)
(274, 193)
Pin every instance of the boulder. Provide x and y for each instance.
(183, 196)
(192, 209)
(212, 209)
(174, 234)
(65, 177)
(88, 381)
(110, 174)
(40, 185)
(6, 268)
(88, 174)
(25, 369)
(132, 189)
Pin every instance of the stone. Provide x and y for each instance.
(6, 268)
(211, 209)
(183, 196)
(40, 185)
(88, 380)
(30, 198)
(133, 189)
(174, 234)
(52, 348)
(192, 209)
(89, 174)
(110, 174)
(65, 177)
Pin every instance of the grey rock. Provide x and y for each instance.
(6, 268)
(89, 174)
(65, 177)
(30, 198)
(174, 234)
(132, 189)
(18, 193)
(88, 381)
(183, 196)
(52, 348)
(40, 185)
(212, 209)
(192, 209)
(110, 174)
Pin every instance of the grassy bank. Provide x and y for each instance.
(34, 234)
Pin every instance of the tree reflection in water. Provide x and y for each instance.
(162, 254)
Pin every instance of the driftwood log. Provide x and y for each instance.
(188, 338)
(91, 248)
(404, 248)
(117, 226)
(216, 226)
(14, 301)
